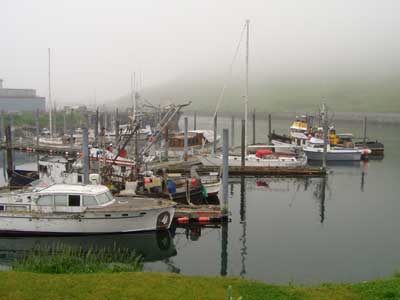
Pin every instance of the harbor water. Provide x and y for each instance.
(342, 228)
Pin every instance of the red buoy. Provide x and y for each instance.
(204, 219)
(183, 220)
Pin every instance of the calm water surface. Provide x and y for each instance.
(339, 229)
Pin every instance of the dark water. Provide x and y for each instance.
(340, 229)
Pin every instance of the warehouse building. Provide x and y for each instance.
(17, 100)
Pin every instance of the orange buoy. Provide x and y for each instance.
(204, 219)
(183, 220)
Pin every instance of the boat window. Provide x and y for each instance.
(102, 198)
(61, 200)
(74, 200)
(89, 200)
(110, 196)
(45, 200)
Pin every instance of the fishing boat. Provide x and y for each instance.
(315, 151)
(271, 160)
(211, 182)
(63, 209)
(197, 139)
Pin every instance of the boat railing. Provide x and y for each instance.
(15, 207)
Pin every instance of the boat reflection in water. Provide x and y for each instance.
(152, 246)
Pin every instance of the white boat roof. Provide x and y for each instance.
(75, 188)
(314, 140)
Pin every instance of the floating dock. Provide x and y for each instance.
(45, 149)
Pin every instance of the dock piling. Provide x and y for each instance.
(96, 127)
(185, 140)
(85, 150)
(254, 126)
(116, 127)
(71, 129)
(225, 169)
(269, 128)
(37, 127)
(215, 134)
(365, 131)
(10, 162)
(243, 144)
(325, 129)
(195, 120)
(233, 131)
(1, 126)
(64, 122)
(166, 143)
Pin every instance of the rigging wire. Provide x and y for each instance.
(221, 96)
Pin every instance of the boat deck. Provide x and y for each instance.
(133, 204)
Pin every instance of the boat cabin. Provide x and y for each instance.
(71, 198)
(196, 138)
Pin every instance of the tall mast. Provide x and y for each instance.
(246, 97)
(50, 106)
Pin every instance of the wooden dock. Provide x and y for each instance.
(45, 149)
(184, 167)
(200, 214)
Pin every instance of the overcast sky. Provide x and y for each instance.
(96, 45)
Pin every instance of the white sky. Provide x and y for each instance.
(96, 45)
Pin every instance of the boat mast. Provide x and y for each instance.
(50, 106)
(246, 97)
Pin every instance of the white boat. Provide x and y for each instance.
(63, 209)
(315, 151)
(254, 161)
(211, 182)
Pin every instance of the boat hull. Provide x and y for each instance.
(235, 161)
(85, 224)
(212, 188)
(333, 155)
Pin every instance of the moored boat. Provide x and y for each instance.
(63, 209)
(279, 160)
(315, 151)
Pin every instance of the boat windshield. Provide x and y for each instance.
(104, 198)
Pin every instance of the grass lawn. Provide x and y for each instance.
(146, 285)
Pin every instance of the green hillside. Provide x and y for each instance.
(373, 94)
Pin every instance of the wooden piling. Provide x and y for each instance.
(233, 131)
(215, 134)
(365, 131)
(185, 140)
(71, 128)
(10, 162)
(254, 127)
(116, 126)
(64, 122)
(1, 126)
(96, 128)
(166, 143)
(243, 144)
(37, 127)
(269, 128)
(85, 150)
(225, 169)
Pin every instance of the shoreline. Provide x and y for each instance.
(354, 117)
